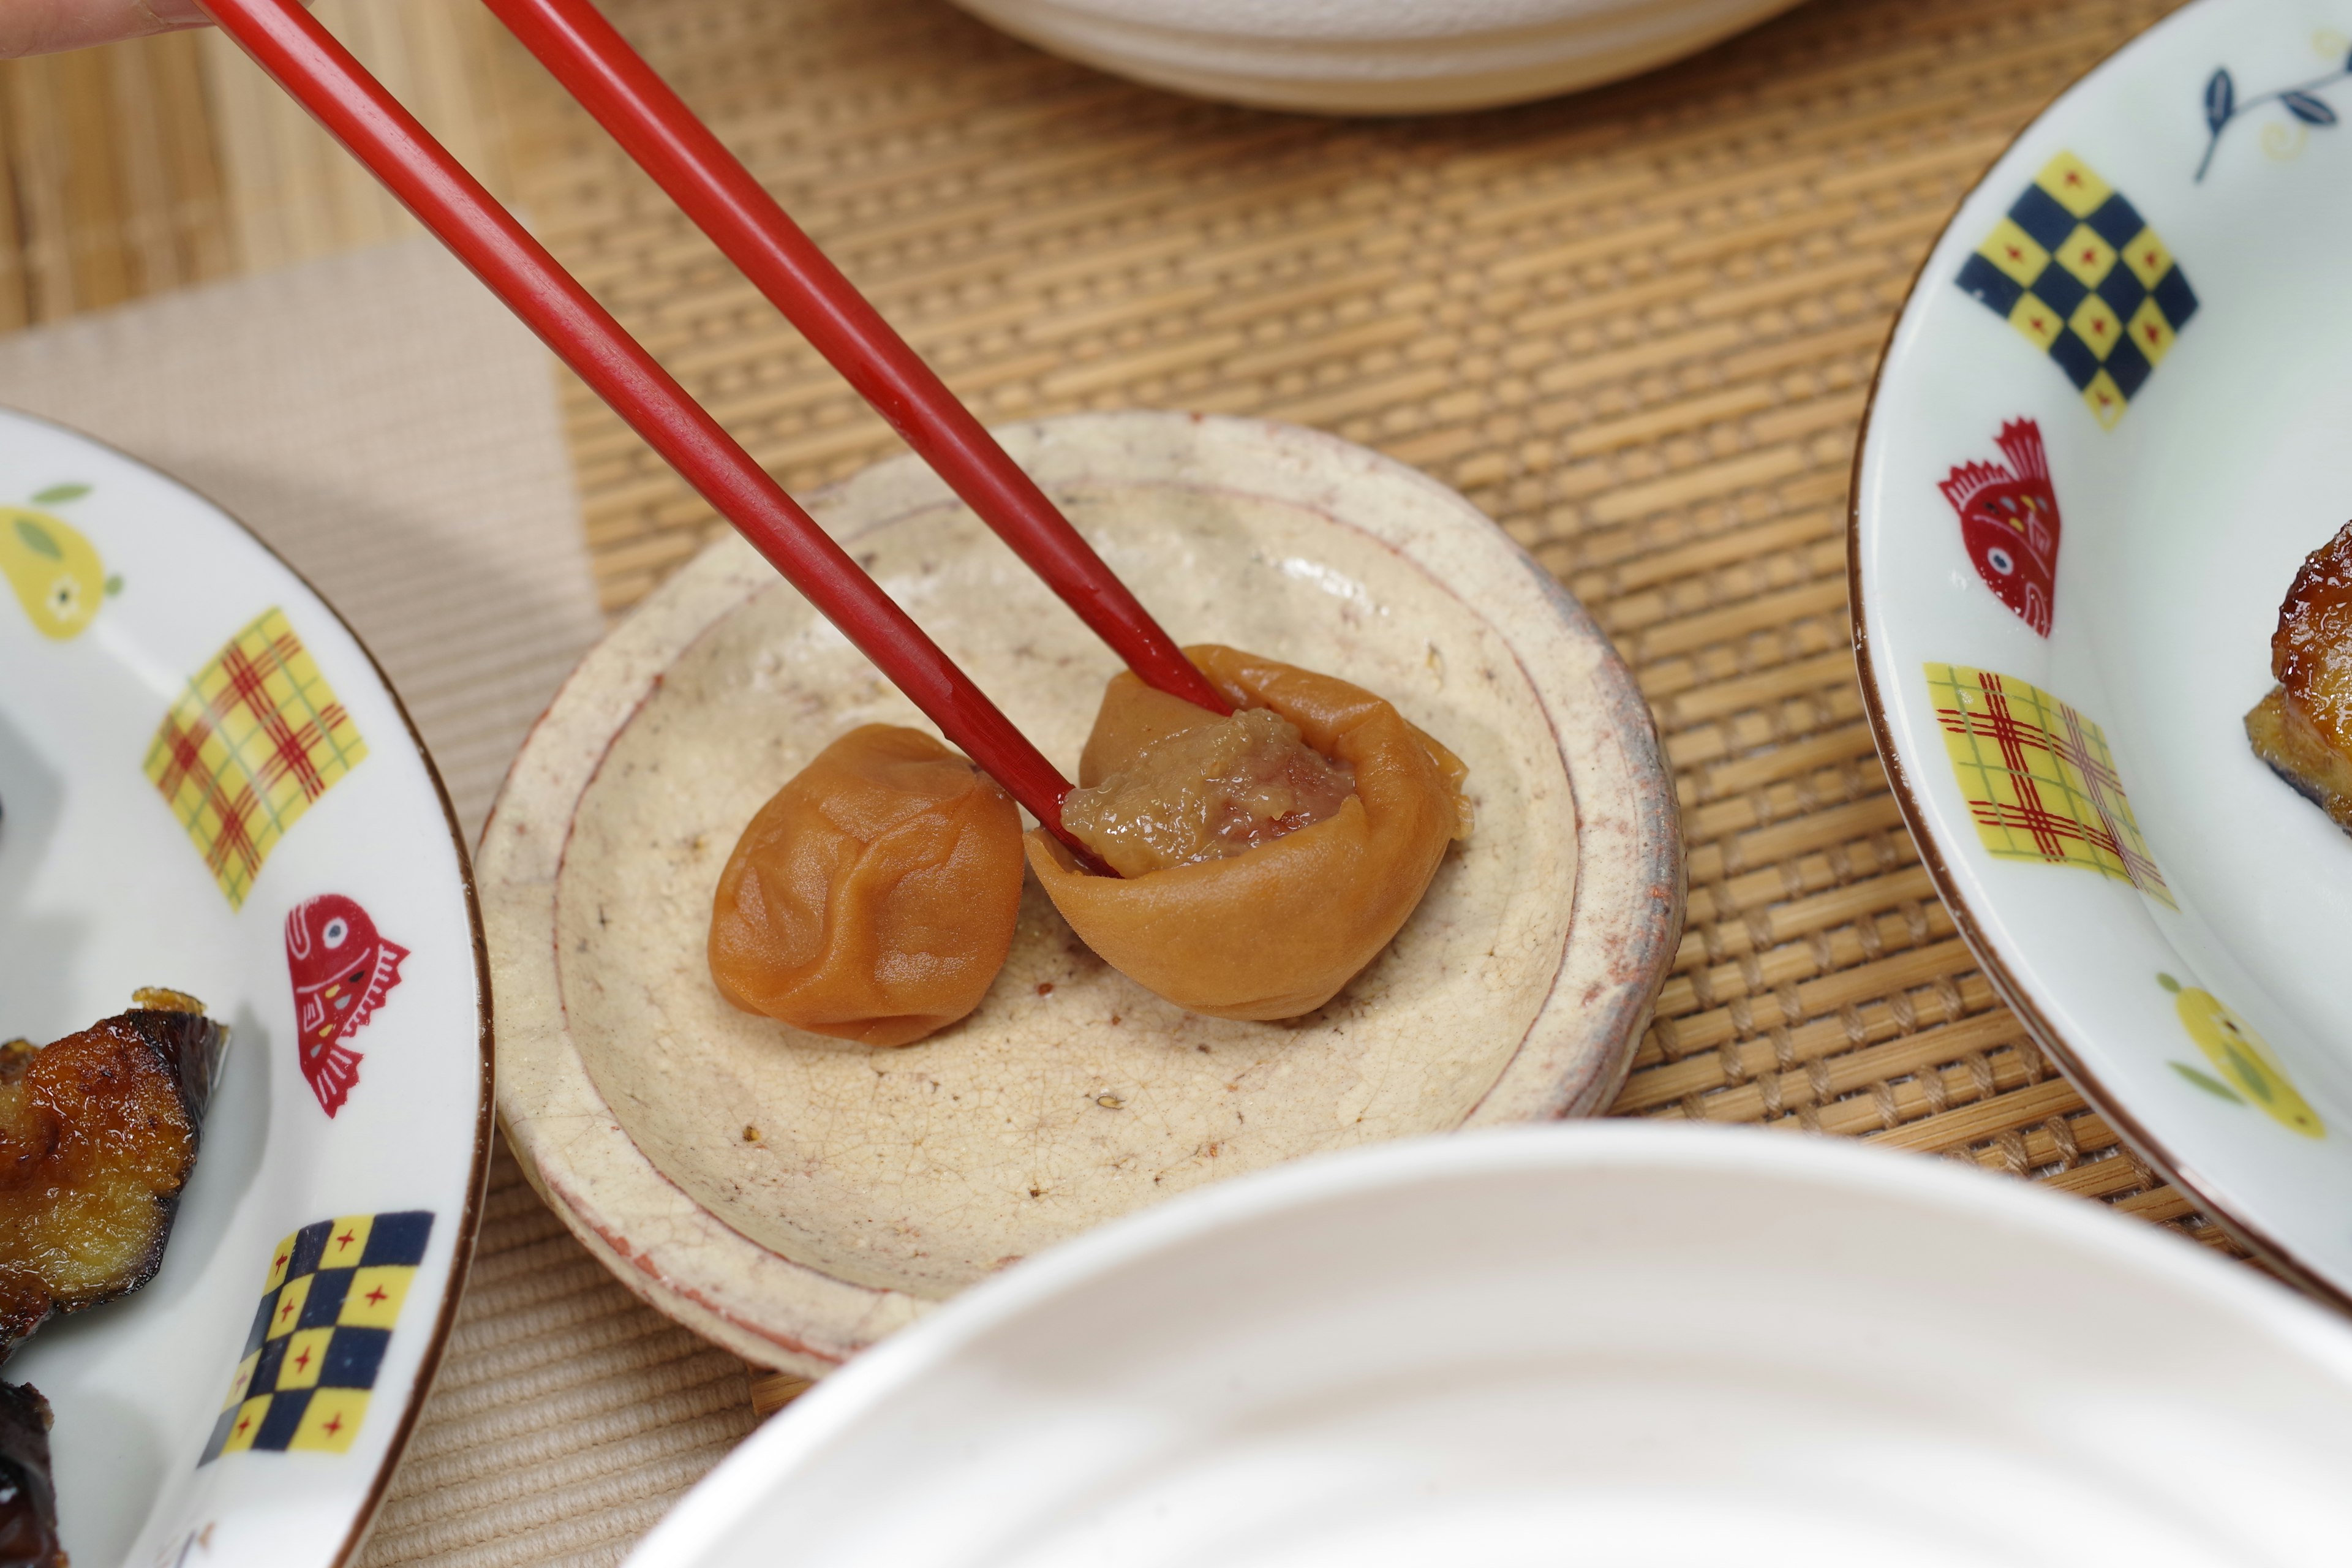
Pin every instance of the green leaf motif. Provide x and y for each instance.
(37, 539)
(114, 585)
(56, 493)
(2210, 1085)
(2250, 1072)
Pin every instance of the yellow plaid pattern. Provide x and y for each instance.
(254, 739)
(2040, 782)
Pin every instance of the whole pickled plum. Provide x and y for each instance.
(1272, 928)
(873, 898)
(97, 1133)
(1213, 788)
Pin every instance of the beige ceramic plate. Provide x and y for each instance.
(797, 1198)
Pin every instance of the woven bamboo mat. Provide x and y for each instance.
(1636, 327)
(169, 160)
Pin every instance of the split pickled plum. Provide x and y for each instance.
(1212, 789)
(873, 898)
(1271, 927)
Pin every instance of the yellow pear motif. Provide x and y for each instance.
(57, 574)
(2242, 1057)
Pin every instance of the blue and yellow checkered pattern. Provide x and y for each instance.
(319, 1338)
(2077, 271)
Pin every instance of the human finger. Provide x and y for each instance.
(46, 26)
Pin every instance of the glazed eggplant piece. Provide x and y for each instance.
(2303, 727)
(97, 1133)
(29, 1499)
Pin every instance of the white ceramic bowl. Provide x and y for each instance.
(1374, 56)
(2193, 984)
(797, 1197)
(1600, 1342)
(118, 590)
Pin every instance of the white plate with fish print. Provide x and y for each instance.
(206, 785)
(2106, 431)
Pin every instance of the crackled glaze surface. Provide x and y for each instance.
(1073, 1094)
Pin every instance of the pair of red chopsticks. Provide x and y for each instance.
(597, 67)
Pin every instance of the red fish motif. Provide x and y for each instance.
(2009, 520)
(341, 969)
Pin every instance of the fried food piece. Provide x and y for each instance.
(1277, 931)
(97, 1133)
(2292, 746)
(28, 1499)
(1212, 788)
(2303, 727)
(874, 897)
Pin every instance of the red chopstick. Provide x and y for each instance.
(613, 83)
(306, 60)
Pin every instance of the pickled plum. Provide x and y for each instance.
(1276, 931)
(1222, 787)
(873, 898)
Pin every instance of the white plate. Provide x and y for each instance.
(1600, 1344)
(1375, 57)
(103, 889)
(2186, 509)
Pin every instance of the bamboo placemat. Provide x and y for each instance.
(1635, 326)
(169, 160)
